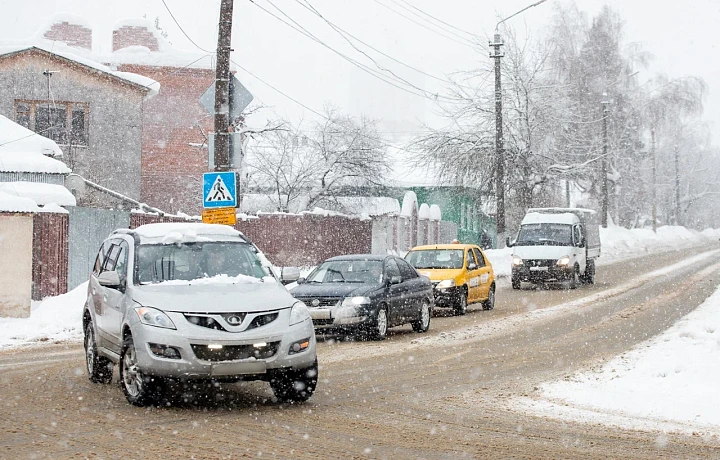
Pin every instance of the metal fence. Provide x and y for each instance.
(88, 228)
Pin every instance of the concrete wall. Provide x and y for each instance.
(16, 246)
(112, 157)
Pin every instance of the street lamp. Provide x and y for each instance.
(496, 54)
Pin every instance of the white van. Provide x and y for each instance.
(556, 245)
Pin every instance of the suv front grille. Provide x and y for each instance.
(235, 352)
(213, 321)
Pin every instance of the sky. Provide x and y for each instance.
(666, 383)
(681, 36)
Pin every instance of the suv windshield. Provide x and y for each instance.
(545, 234)
(190, 261)
(435, 258)
(347, 271)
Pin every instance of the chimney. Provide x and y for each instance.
(128, 35)
(74, 35)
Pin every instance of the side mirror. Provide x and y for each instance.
(289, 275)
(507, 242)
(109, 279)
(300, 280)
(395, 279)
(472, 266)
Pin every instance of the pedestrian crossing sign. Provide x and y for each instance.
(219, 190)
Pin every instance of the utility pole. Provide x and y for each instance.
(604, 179)
(499, 141)
(654, 180)
(222, 88)
(677, 185)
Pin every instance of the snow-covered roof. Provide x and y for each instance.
(83, 58)
(18, 141)
(14, 203)
(40, 193)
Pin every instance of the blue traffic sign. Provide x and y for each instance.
(219, 190)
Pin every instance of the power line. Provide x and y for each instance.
(344, 32)
(438, 19)
(299, 28)
(463, 42)
(183, 30)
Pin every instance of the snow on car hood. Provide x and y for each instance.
(543, 252)
(214, 297)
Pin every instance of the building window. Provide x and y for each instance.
(64, 122)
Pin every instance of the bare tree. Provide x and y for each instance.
(300, 170)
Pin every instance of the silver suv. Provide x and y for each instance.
(185, 302)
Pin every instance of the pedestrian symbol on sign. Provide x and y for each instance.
(219, 192)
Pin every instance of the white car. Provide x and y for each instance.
(188, 302)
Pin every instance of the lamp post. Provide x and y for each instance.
(496, 54)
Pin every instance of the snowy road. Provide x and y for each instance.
(445, 394)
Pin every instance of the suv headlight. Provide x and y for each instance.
(355, 301)
(563, 261)
(444, 284)
(154, 317)
(299, 313)
(517, 261)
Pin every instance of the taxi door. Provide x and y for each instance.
(483, 273)
(473, 276)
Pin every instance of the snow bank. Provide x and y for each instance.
(54, 319)
(670, 378)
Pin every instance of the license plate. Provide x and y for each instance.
(320, 313)
(253, 367)
(538, 269)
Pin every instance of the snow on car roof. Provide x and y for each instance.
(541, 217)
(190, 232)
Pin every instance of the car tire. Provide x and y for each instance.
(423, 324)
(589, 277)
(462, 302)
(489, 303)
(140, 389)
(293, 385)
(99, 369)
(378, 330)
(515, 282)
(575, 281)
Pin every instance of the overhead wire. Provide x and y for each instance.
(299, 28)
(344, 33)
(438, 19)
(463, 42)
(183, 30)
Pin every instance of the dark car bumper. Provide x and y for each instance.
(542, 274)
(447, 298)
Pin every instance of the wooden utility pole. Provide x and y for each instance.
(222, 88)
(604, 169)
(677, 185)
(499, 142)
(654, 181)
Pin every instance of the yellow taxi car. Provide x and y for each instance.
(460, 274)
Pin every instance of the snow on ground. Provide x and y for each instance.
(668, 382)
(54, 319)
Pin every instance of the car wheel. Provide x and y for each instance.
(422, 324)
(140, 389)
(515, 283)
(378, 330)
(489, 303)
(462, 302)
(99, 369)
(590, 272)
(575, 281)
(292, 385)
